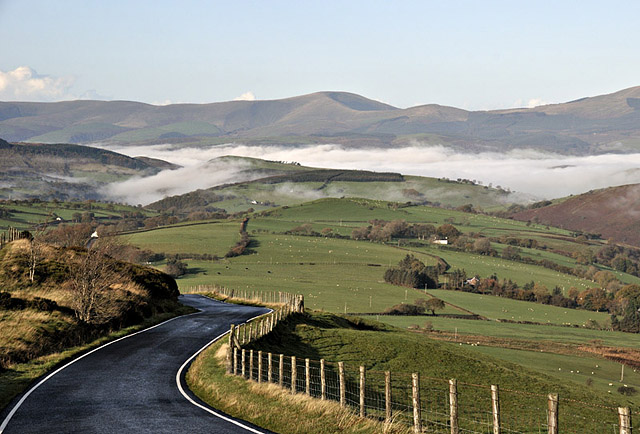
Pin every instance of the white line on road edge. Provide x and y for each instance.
(209, 410)
(26, 395)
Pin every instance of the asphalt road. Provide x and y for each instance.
(130, 386)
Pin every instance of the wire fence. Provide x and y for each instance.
(432, 405)
(429, 404)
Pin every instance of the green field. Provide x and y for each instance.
(493, 307)
(214, 238)
(533, 332)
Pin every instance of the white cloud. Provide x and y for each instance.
(526, 171)
(535, 102)
(247, 96)
(25, 84)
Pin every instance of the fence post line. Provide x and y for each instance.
(552, 416)
(415, 392)
(387, 396)
(230, 349)
(281, 370)
(270, 367)
(323, 381)
(294, 374)
(495, 408)
(453, 405)
(259, 366)
(307, 377)
(343, 394)
(624, 414)
(235, 361)
(363, 412)
(250, 364)
(244, 362)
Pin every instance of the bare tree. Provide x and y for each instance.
(92, 278)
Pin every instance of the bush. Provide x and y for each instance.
(404, 309)
(627, 390)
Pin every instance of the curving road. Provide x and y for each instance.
(133, 385)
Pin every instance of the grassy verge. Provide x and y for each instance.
(19, 377)
(268, 405)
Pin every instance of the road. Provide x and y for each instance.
(130, 386)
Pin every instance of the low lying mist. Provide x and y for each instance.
(525, 171)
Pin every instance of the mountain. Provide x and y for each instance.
(606, 123)
(612, 212)
(64, 171)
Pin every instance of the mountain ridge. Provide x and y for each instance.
(591, 125)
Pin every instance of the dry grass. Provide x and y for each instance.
(271, 406)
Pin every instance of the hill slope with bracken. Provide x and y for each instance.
(612, 212)
(591, 125)
(65, 171)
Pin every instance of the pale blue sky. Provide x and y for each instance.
(468, 54)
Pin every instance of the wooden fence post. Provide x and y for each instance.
(495, 408)
(552, 416)
(415, 392)
(230, 349)
(343, 394)
(387, 397)
(294, 374)
(235, 360)
(244, 333)
(363, 411)
(244, 362)
(270, 367)
(323, 381)
(453, 405)
(307, 377)
(259, 366)
(250, 364)
(281, 370)
(624, 415)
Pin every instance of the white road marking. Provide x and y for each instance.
(209, 410)
(41, 382)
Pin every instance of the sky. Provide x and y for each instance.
(470, 54)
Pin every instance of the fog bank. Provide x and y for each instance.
(526, 171)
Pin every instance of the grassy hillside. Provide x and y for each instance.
(380, 348)
(72, 298)
(63, 171)
(285, 184)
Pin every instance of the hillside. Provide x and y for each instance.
(64, 171)
(587, 126)
(282, 184)
(612, 212)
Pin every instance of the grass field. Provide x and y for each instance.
(214, 238)
(493, 307)
(604, 375)
(566, 335)
(379, 348)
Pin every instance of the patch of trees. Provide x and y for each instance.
(241, 246)
(325, 176)
(419, 307)
(307, 230)
(412, 273)
(619, 258)
(381, 231)
(175, 267)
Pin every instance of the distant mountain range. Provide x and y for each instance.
(607, 123)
